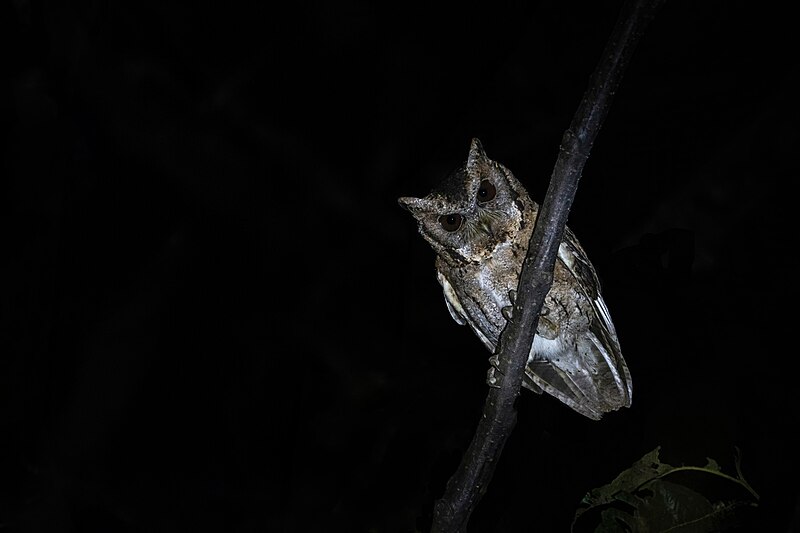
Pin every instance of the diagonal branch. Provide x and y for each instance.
(469, 482)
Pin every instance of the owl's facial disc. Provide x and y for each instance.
(473, 211)
(488, 222)
(485, 226)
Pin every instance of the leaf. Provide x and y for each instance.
(640, 499)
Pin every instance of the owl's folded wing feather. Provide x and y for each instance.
(450, 298)
(558, 382)
(472, 316)
(605, 335)
(589, 373)
(579, 375)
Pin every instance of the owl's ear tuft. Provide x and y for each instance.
(477, 156)
(414, 205)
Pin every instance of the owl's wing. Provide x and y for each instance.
(603, 335)
(557, 382)
(590, 374)
(462, 316)
(452, 301)
(575, 377)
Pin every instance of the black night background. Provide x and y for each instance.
(215, 316)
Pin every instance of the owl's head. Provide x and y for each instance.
(478, 207)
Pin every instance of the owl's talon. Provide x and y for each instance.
(495, 361)
(491, 379)
(512, 295)
(506, 312)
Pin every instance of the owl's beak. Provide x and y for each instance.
(485, 227)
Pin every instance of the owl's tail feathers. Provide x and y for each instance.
(530, 384)
(590, 380)
(613, 379)
(562, 384)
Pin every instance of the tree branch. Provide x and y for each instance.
(468, 484)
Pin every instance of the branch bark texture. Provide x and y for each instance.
(468, 484)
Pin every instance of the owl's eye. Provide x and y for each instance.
(451, 222)
(486, 191)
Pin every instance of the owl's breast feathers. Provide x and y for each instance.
(477, 292)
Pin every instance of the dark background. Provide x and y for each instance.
(215, 316)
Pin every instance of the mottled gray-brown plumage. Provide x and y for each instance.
(479, 221)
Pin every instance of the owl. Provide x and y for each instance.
(479, 221)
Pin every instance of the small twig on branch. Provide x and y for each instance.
(468, 484)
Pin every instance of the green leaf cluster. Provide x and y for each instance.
(650, 497)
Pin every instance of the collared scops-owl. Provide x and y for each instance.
(479, 221)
